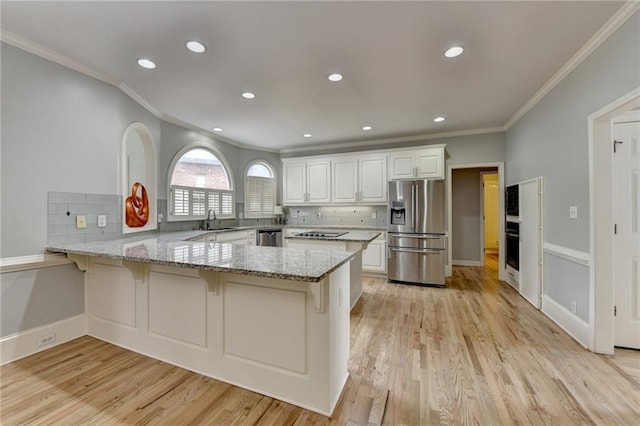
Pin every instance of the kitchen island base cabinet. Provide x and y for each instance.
(282, 338)
(355, 265)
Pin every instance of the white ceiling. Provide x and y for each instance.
(396, 78)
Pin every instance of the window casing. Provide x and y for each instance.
(260, 190)
(199, 182)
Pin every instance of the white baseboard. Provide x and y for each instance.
(25, 343)
(573, 325)
(467, 262)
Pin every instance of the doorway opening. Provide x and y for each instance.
(467, 228)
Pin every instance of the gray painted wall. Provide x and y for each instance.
(62, 132)
(33, 298)
(551, 141)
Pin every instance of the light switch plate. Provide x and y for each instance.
(102, 221)
(81, 221)
(573, 212)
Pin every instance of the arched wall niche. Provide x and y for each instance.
(138, 180)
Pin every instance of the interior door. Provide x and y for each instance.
(530, 241)
(491, 213)
(626, 213)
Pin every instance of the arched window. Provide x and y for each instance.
(260, 190)
(200, 182)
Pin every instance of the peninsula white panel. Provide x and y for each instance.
(178, 307)
(265, 325)
(113, 294)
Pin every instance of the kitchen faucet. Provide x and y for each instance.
(208, 220)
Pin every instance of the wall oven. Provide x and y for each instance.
(513, 245)
(512, 200)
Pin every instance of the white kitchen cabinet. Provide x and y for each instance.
(425, 163)
(345, 180)
(374, 257)
(307, 182)
(294, 183)
(373, 178)
(361, 179)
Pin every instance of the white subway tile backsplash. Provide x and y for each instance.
(102, 199)
(61, 226)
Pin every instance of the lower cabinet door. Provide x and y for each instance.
(374, 258)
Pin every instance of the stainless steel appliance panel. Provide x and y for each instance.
(401, 208)
(429, 206)
(432, 241)
(417, 206)
(269, 237)
(417, 266)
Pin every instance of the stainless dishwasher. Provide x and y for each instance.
(269, 237)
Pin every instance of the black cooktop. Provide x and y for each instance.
(323, 234)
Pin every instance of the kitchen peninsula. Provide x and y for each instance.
(272, 320)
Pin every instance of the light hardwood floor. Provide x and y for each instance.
(472, 353)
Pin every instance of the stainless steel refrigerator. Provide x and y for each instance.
(415, 238)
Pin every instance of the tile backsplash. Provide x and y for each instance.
(63, 207)
(337, 215)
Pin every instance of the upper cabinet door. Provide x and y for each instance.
(345, 180)
(402, 165)
(430, 163)
(426, 163)
(319, 182)
(373, 179)
(294, 183)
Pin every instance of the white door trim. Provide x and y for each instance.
(502, 273)
(600, 137)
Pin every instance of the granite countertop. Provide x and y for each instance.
(351, 236)
(174, 249)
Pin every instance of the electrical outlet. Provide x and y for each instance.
(160, 217)
(573, 212)
(47, 339)
(102, 221)
(81, 221)
(574, 307)
(319, 215)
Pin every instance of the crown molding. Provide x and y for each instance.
(616, 21)
(138, 99)
(178, 122)
(414, 138)
(53, 56)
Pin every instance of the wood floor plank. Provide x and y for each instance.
(474, 352)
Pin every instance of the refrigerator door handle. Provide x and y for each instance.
(414, 207)
(419, 251)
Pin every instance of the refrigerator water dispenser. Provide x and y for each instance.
(397, 213)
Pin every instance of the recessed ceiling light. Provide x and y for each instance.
(248, 95)
(217, 129)
(454, 51)
(438, 119)
(335, 77)
(196, 46)
(146, 63)
(367, 127)
(307, 135)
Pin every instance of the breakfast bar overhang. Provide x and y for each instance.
(268, 319)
